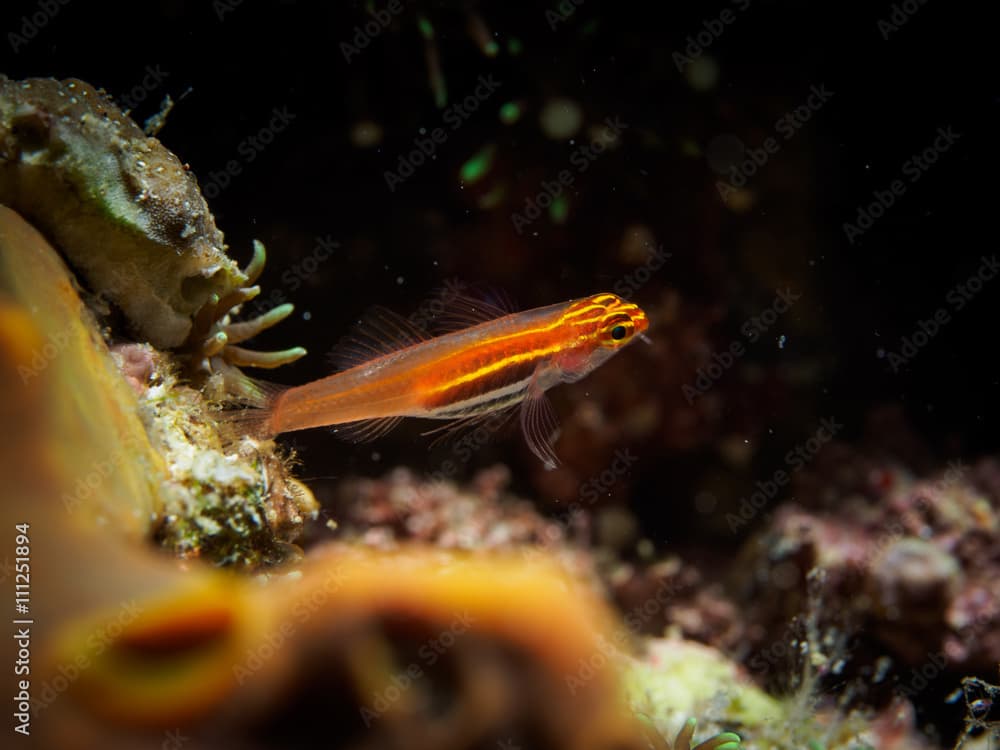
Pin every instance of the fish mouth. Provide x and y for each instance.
(635, 314)
(640, 321)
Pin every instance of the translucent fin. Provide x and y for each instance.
(379, 332)
(365, 430)
(253, 405)
(540, 426)
(470, 307)
(451, 430)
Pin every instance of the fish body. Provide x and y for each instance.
(392, 370)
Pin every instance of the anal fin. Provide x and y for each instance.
(494, 421)
(365, 430)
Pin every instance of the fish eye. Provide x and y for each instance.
(617, 329)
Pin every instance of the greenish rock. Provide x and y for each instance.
(121, 208)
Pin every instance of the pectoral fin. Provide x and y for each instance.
(540, 426)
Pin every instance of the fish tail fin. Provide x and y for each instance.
(251, 408)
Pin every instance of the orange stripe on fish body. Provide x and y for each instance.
(465, 375)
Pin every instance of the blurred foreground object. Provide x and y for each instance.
(130, 648)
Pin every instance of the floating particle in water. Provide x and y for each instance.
(307, 315)
(511, 112)
(604, 135)
(481, 34)
(493, 198)
(435, 74)
(781, 341)
(366, 134)
(560, 118)
(882, 666)
(400, 280)
(740, 200)
(426, 28)
(514, 47)
(702, 74)
(690, 147)
(638, 242)
(559, 209)
(478, 165)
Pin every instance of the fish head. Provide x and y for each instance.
(603, 324)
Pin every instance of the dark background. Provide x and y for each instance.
(891, 95)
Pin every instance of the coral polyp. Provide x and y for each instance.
(212, 342)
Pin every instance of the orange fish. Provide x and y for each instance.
(498, 361)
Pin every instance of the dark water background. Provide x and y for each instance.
(892, 91)
(894, 88)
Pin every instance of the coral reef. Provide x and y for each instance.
(910, 558)
(235, 504)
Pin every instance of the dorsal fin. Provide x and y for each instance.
(471, 307)
(378, 332)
